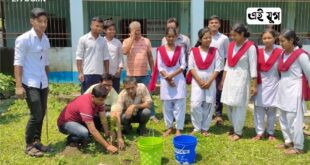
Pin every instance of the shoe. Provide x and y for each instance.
(38, 145)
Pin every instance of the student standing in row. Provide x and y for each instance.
(293, 90)
(240, 69)
(268, 80)
(181, 40)
(116, 52)
(204, 65)
(219, 41)
(171, 64)
(92, 55)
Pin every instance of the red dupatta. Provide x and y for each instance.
(284, 67)
(203, 65)
(232, 61)
(265, 66)
(165, 58)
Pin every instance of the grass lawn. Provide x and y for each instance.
(215, 149)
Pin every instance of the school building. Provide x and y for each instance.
(70, 19)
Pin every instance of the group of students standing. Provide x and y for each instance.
(274, 77)
(219, 71)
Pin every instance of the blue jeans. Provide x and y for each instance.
(145, 80)
(76, 131)
(90, 80)
(142, 79)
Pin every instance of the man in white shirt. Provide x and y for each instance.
(92, 55)
(116, 52)
(31, 69)
(220, 41)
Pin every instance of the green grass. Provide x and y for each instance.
(215, 149)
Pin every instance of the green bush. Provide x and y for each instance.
(63, 89)
(7, 86)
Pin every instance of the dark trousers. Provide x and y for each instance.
(142, 117)
(145, 80)
(89, 80)
(116, 84)
(219, 105)
(37, 103)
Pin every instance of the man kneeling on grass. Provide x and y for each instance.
(133, 106)
(76, 119)
(107, 81)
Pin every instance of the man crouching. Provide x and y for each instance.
(76, 120)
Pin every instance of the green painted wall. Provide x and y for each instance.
(236, 12)
(138, 10)
(17, 13)
(17, 16)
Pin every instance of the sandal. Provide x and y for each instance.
(33, 151)
(272, 138)
(235, 137)
(293, 151)
(38, 145)
(205, 133)
(219, 120)
(231, 131)
(168, 132)
(193, 132)
(257, 137)
(155, 120)
(285, 146)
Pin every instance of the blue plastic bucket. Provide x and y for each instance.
(185, 149)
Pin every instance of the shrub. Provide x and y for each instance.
(7, 86)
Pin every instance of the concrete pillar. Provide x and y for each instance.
(77, 28)
(197, 19)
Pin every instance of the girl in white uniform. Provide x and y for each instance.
(268, 78)
(205, 63)
(240, 68)
(293, 90)
(171, 63)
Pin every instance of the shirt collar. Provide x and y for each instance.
(90, 36)
(217, 35)
(34, 34)
(108, 40)
(180, 37)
